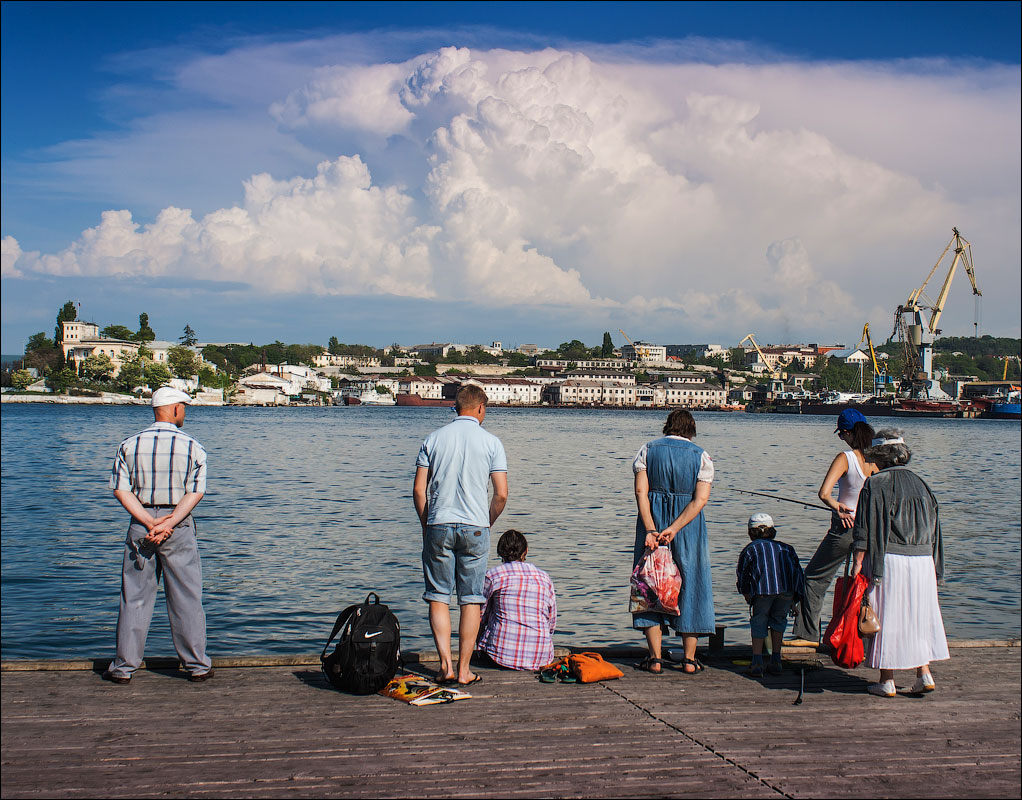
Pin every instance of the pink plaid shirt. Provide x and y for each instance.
(519, 616)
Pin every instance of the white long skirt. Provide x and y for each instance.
(911, 628)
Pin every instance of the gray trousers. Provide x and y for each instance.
(829, 556)
(177, 561)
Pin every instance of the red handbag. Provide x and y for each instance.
(842, 636)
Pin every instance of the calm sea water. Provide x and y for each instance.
(309, 509)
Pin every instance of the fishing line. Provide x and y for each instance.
(802, 688)
(802, 503)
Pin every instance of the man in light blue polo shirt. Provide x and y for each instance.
(454, 466)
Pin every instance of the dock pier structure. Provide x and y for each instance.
(279, 730)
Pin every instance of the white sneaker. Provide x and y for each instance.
(883, 689)
(924, 683)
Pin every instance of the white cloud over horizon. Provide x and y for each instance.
(781, 196)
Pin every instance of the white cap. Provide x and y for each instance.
(168, 396)
(761, 520)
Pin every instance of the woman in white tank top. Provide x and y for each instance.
(849, 472)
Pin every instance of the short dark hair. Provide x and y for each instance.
(512, 546)
(860, 436)
(680, 423)
(469, 396)
(762, 532)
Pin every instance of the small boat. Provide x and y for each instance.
(375, 398)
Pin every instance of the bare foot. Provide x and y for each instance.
(444, 678)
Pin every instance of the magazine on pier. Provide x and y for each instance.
(418, 691)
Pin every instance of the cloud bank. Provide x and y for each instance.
(786, 197)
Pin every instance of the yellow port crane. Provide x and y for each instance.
(916, 335)
(877, 372)
(1008, 360)
(751, 338)
(641, 353)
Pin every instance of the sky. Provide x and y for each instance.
(522, 172)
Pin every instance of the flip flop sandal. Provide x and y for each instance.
(647, 664)
(547, 676)
(567, 677)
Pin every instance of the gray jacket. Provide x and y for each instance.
(897, 514)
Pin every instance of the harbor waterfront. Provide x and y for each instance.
(309, 509)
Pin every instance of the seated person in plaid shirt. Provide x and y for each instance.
(521, 610)
(771, 580)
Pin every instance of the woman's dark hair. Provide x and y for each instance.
(512, 546)
(680, 423)
(860, 436)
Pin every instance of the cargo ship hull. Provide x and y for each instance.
(416, 401)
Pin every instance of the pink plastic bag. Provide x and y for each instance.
(656, 583)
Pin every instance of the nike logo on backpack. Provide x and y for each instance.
(371, 635)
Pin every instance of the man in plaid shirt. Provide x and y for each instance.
(521, 609)
(159, 476)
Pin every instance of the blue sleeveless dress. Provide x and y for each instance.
(672, 465)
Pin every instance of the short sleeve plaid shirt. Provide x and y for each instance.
(160, 465)
(519, 617)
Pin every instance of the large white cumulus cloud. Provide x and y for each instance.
(554, 177)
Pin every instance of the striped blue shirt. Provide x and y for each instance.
(160, 465)
(767, 566)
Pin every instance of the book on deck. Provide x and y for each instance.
(418, 691)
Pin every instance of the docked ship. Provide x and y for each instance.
(416, 400)
(374, 398)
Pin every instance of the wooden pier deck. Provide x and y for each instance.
(281, 731)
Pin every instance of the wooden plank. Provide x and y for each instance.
(281, 731)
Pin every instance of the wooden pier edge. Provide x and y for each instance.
(410, 657)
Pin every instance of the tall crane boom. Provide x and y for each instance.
(751, 338)
(916, 335)
(640, 352)
(963, 254)
(877, 373)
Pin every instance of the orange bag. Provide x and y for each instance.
(590, 668)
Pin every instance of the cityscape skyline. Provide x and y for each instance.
(686, 172)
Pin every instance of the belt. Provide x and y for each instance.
(147, 505)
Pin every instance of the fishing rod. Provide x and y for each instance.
(802, 503)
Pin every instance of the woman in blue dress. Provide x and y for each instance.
(672, 485)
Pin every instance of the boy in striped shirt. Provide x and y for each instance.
(771, 580)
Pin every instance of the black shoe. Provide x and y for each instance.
(118, 679)
(205, 676)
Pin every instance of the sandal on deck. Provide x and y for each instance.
(647, 664)
(695, 663)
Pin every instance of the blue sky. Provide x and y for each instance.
(523, 172)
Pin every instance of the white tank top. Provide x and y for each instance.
(850, 484)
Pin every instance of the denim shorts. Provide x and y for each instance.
(454, 557)
(769, 611)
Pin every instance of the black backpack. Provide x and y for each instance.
(368, 653)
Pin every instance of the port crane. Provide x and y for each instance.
(917, 335)
(641, 353)
(1008, 360)
(751, 338)
(877, 372)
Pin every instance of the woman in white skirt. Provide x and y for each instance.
(897, 544)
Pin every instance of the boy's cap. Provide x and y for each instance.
(846, 419)
(761, 520)
(167, 396)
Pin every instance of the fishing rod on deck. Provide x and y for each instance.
(802, 503)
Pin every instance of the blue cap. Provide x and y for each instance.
(846, 419)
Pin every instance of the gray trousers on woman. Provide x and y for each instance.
(177, 561)
(829, 556)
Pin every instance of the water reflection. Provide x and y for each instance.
(309, 509)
